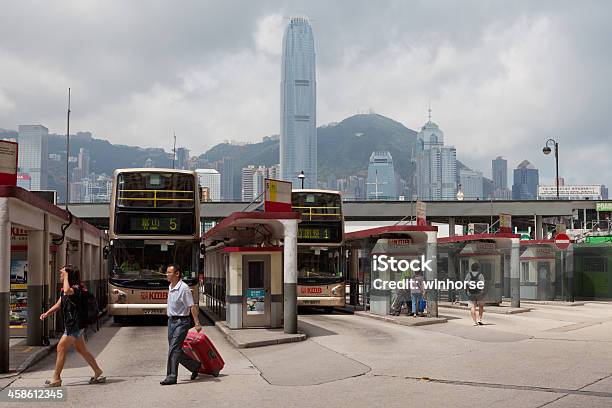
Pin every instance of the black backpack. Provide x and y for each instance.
(475, 278)
(89, 311)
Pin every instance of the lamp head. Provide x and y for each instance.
(546, 150)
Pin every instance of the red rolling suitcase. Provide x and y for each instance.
(199, 347)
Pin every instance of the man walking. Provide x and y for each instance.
(475, 296)
(180, 304)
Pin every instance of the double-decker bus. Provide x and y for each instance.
(154, 221)
(321, 266)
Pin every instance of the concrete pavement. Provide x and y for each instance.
(553, 356)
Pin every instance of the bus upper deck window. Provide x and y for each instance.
(310, 198)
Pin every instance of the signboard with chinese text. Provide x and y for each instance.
(278, 196)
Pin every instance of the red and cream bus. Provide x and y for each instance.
(154, 221)
(321, 271)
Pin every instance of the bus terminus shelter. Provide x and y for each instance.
(497, 256)
(30, 261)
(400, 241)
(249, 276)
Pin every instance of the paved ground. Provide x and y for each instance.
(553, 356)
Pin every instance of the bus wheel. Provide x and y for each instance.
(118, 319)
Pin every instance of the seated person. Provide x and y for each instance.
(130, 264)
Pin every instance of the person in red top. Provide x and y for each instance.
(69, 303)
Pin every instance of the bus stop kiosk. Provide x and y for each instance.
(538, 269)
(246, 264)
(496, 255)
(403, 242)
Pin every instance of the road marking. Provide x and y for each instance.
(516, 387)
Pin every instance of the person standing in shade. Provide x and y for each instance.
(402, 296)
(475, 296)
(180, 304)
(417, 292)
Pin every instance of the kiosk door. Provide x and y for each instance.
(256, 290)
(544, 284)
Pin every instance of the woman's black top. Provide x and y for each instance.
(70, 309)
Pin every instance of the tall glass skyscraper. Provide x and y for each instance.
(381, 184)
(33, 154)
(526, 181)
(298, 135)
(436, 165)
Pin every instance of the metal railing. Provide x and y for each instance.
(155, 198)
(314, 211)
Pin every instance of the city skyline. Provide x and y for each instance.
(233, 79)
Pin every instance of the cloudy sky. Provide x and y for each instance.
(502, 76)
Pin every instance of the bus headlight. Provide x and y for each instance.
(121, 296)
(337, 290)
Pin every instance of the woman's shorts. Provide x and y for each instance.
(471, 303)
(74, 333)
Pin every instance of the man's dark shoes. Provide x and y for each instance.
(167, 382)
(194, 375)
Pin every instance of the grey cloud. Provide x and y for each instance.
(503, 75)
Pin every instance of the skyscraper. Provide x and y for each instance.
(211, 179)
(381, 184)
(225, 167)
(259, 181)
(436, 165)
(500, 173)
(182, 158)
(247, 183)
(298, 135)
(471, 184)
(526, 180)
(33, 154)
(81, 170)
(499, 167)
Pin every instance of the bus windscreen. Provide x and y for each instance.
(148, 260)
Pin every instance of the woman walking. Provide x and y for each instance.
(70, 304)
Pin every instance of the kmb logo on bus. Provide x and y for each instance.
(311, 290)
(154, 295)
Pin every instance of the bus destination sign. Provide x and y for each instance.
(154, 223)
(314, 233)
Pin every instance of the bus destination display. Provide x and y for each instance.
(319, 233)
(314, 233)
(165, 224)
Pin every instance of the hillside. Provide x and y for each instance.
(344, 148)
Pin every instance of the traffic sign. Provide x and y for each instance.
(562, 241)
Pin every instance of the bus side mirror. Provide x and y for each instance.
(105, 252)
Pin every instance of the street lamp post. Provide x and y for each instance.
(547, 150)
(302, 176)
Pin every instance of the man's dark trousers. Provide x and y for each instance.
(177, 331)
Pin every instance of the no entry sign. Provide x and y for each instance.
(562, 241)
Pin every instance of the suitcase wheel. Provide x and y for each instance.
(215, 373)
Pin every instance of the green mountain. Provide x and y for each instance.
(343, 148)
(104, 157)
